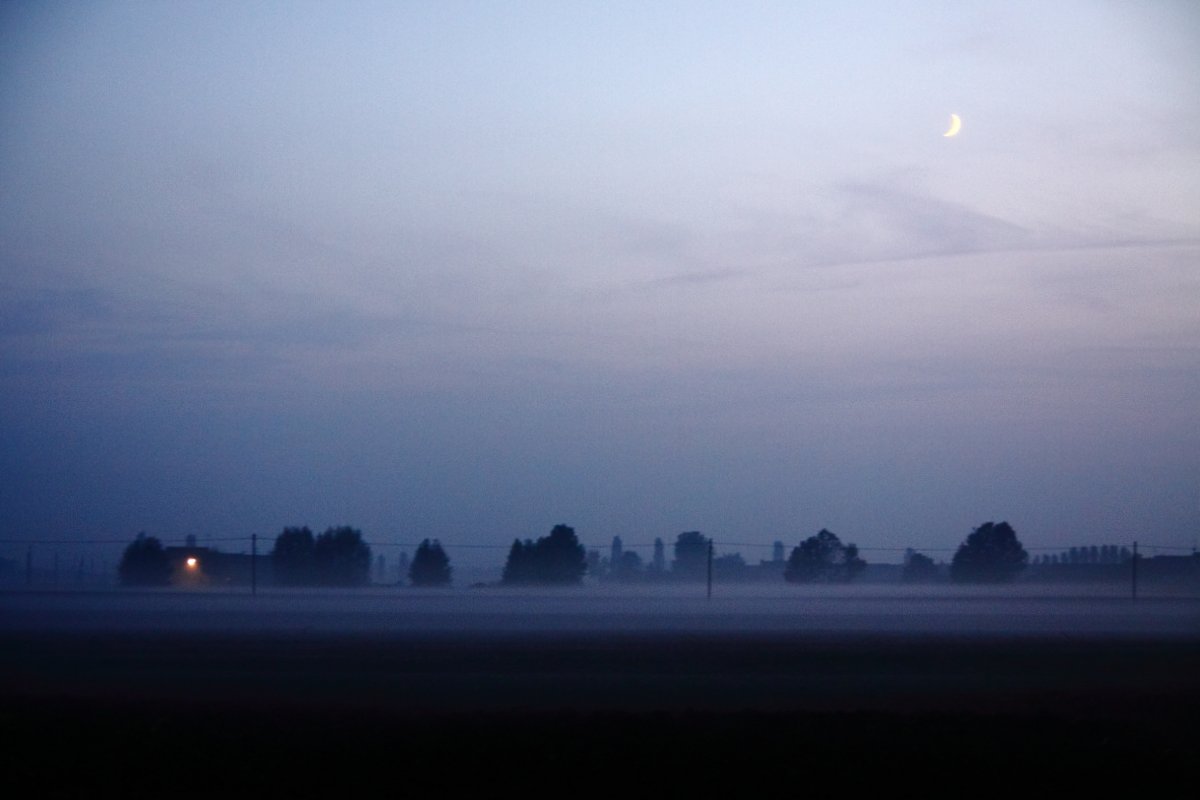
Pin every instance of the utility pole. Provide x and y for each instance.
(253, 564)
(710, 560)
(1134, 571)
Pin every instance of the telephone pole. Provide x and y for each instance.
(1134, 561)
(710, 560)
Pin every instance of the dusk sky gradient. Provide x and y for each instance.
(469, 270)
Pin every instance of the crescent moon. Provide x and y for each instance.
(955, 125)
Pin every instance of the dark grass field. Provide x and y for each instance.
(200, 712)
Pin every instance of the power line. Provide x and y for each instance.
(201, 541)
(64, 541)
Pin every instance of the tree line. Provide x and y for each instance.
(337, 557)
(340, 557)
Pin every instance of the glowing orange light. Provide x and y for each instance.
(192, 562)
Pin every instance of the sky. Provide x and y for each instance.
(469, 270)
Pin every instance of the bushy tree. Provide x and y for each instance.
(919, 568)
(563, 555)
(144, 563)
(430, 565)
(823, 558)
(555, 559)
(691, 555)
(292, 557)
(341, 557)
(991, 554)
(519, 567)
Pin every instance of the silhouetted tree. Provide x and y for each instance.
(659, 564)
(555, 559)
(144, 563)
(615, 552)
(691, 555)
(430, 566)
(341, 557)
(823, 558)
(519, 566)
(562, 555)
(991, 554)
(292, 557)
(919, 568)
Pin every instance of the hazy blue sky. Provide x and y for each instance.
(468, 270)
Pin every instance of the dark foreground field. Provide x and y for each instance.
(394, 693)
(197, 712)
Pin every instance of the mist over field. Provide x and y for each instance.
(1043, 611)
(1077, 677)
